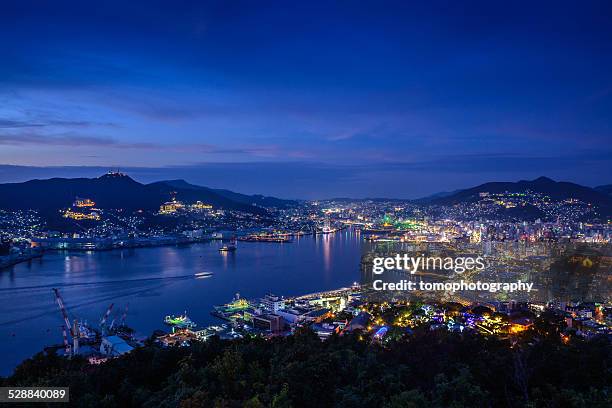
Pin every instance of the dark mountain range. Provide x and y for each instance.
(114, 190)
(373, 199)
(556, 190)
(436, 196)
(257, 199)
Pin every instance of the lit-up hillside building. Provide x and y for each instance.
(77, 215)
(198, 205)
(171, 207)
(83, 203)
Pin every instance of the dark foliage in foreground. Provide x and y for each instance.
(426, 370)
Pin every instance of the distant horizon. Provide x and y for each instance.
(9, 174)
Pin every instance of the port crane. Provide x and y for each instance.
(121, 321)
(60, 303)
(124, 315)
(66, 344)
(73, 329)
(105, 316)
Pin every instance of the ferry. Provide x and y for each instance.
(327, 229)
(180, 321)
(229, 248)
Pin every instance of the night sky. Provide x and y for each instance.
(360, 99)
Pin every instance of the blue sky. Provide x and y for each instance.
(317, 99)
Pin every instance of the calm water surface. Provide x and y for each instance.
(159, 281)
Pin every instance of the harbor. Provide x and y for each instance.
(111, 337)
(268, 316)
(161, 281)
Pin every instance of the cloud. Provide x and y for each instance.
(15, 124)
(67, 139)
(31, 137)
(10, 124)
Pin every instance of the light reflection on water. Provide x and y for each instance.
(159, 281)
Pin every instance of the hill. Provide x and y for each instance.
(556, 190)
(436, 196)
(257, 199)
(113, 191)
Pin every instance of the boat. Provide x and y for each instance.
(327, 228)
(278, 238)
(231, 247)
(180, 321)
(202, 275)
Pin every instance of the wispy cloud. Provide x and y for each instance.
(32, 137)
(16, 124)
(67, 139)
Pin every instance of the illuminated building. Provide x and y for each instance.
(387, 221)
(476, 236)
(76, 215)
(171, 207)
(83, 202)
(271, 322)
(273, 303)
(520, 325)
(115, 173)
(198, 205)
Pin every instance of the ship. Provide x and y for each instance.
(327, 229)
(230, 311)
(180, 321)
(231, 247)
(277, 238)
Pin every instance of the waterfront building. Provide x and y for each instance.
(272, 303)
(271, 322)
(114, 346)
